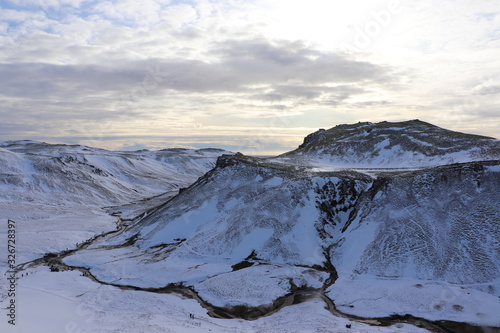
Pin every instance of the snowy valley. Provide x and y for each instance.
(385, 227)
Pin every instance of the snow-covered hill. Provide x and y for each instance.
(370, 219)
(57, 192)
(407, 144)
(35, 171)
(253, 230)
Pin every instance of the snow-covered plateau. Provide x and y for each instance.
(386, 227)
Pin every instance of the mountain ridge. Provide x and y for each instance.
(108, 177)
(384, 144)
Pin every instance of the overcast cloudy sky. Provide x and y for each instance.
(253, 76)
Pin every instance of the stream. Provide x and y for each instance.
(296, 296)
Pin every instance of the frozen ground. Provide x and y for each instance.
(42, 229)
(67, 302)
(370, 296)
(257, 285)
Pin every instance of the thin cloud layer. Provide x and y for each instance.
(83, 70)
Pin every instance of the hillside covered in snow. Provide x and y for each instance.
(58, 192)
(409, 144)
(375, 219)
(34, 171)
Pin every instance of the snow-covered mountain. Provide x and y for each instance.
(57, 192)
(409, 144)
(35, 171)
(377, 242)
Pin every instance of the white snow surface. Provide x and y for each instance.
(67, 302)
(57, 192)
(371, 296)
(257, 285)
(56, 174)
(403, 240)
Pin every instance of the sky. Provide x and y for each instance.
(252, 76)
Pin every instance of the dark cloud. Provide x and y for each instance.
(284, 61)
(305, 92)
(48, 81)
(188, 33)
(279, 74)
(313, 94)
(240, 64)
(489, 90)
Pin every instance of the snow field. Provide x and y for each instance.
(369, 296)
(66, 302)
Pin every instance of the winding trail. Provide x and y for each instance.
(296, 296)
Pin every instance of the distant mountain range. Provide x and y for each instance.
(41, 172)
